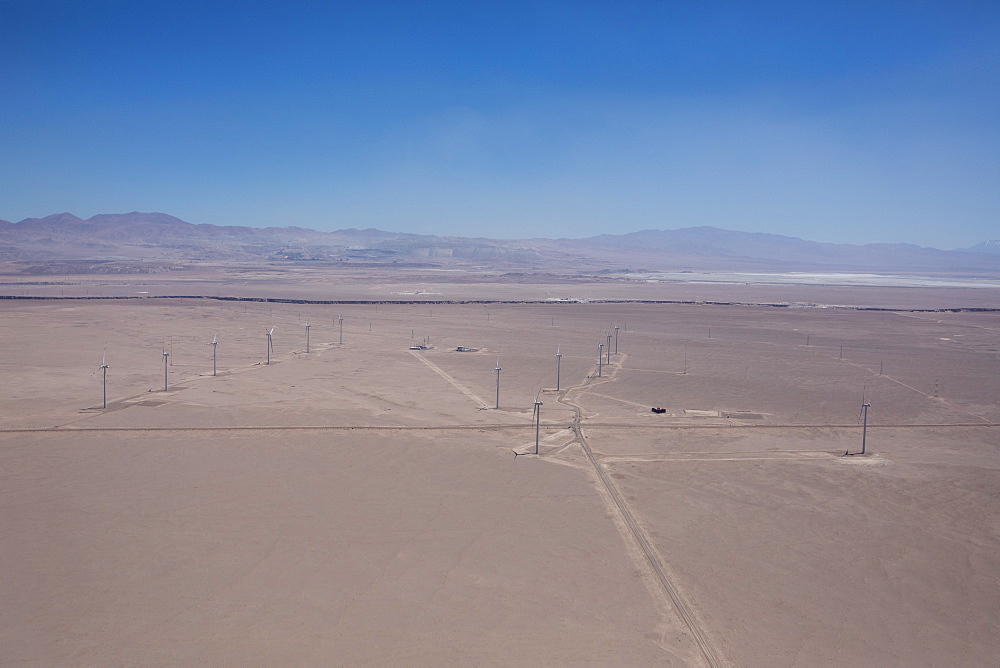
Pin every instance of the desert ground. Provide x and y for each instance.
(366, 503)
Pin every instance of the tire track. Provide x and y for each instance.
(659, 566)
(441, 372)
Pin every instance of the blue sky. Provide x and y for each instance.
(833, 121)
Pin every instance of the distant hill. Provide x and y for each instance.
(712, 244)
(991, 246)
(157, 237)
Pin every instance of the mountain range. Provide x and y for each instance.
(156, 237)
(991, 246)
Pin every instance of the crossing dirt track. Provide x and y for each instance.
(361, 503)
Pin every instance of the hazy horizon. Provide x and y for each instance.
(830, 122)
(499, 237)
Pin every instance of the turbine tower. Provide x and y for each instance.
(340, 319)
(269, 345)
(609, 348)
(498, 370)
(864, 429)
(616, 338)
(558, 365)
(104, 369)
(165, 356)
(538, 419)
(600, 359)
(307, 336)
(215, 349)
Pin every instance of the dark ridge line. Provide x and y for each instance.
(402, 302)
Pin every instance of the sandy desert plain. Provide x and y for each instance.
(362, 504)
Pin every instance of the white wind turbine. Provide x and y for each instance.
(215, 349)
(863, 418)
(269, 343)
(538, 419)
(558, 365)
(864, 411)
(104, 368)
(166, 355)
(498, 370)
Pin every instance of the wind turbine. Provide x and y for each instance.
(165, 356)
(215, 348)
(104, 369)
(600, 359)
(538, 419)
(269, 345)
(864, 412)
(340, 319)
(498, 370)
(616, 338)
(307, 336)
(609, 348)
(558, 365)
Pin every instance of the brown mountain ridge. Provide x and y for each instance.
(158, 237)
